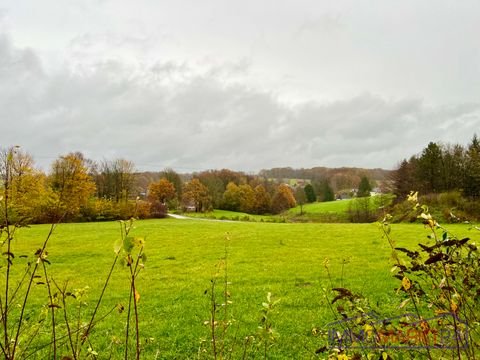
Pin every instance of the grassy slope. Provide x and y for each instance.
(322, 207)
(285, 259)
(232, 215)
(330, 211)
(319, 211)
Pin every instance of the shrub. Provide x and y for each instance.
(158, 210)
(361, 210)
(442, 277)
(143, 209)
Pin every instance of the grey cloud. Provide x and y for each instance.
(169, 114)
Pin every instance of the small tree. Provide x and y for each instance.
(364, 188)
(310, 193)
(159, 194)
(300, 197)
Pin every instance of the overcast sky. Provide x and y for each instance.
(246, 85)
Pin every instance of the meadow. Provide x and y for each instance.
(323, 212)
(287, 260)
(330, 211)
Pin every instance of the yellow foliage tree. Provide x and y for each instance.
(70, 181)
(262, 200)
(23, 185)
(196, 194)
(247, 198)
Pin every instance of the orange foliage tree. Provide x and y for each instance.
(283, 199)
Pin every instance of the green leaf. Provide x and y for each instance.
(117, 246)
(128, 244)
(139, 241)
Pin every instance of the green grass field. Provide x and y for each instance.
(337, 206)
(329, 211)
(184, 255)
(233, 215)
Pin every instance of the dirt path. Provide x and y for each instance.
(175, 216)
(181, 217)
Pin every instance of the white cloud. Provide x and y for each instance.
(245, 87)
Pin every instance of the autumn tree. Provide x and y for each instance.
(217, 181)
(247, 198)
(214, 184)
(162, 190)
(22, 186)
(283, 199)
(231, 197)
(310, 193)
(30, 192)
(300, 198)
(172, 176)
(114, 179)
(195, 193)
(262, 200)
(71, 183)
(159, 194)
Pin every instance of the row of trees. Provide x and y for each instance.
(237, 197)
(77, 188)
(441, 168)
(236, 191)
(33, 195)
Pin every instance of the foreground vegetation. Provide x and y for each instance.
(286, 260)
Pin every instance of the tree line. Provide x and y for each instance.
(78, 189)
(441, 168)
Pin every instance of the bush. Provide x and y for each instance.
(441, 278)
(143, 209)
(158, 210)
(446, 207)
(438, 295)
